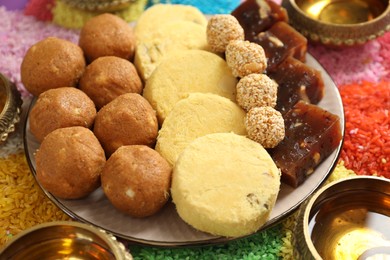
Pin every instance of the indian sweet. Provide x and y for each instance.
(155, 16)
(256, 90)
(52, 63)
(244, 58)
(58, 108)
(256, 16)
(185, 72)
(171, 36)
(195, 116)
(297, 81)
(221, 29)
(108, 77)
(127, 120)
(281, 41)
(69, 162)
(136, 180)
(265, 125)
(107, 35)
(312, 134)
(225, 184)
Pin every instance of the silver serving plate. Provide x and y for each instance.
(166, 228)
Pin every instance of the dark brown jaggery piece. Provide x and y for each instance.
(297, 81)
(280, 42)
(312, 134)
(257, 16)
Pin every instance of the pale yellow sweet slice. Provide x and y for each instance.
(225, 184)
(153, 17)
(171, 36)
(198, 115)
(186, 72)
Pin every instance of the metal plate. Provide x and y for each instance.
(166, 228)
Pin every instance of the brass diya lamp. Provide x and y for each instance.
(64, 240)
(339, 22)
(10, 107)
(346, 219)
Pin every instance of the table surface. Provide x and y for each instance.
(365, 67)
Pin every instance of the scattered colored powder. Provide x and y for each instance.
(205, 6)
(263, 245)
(385, 54)
(366, 148)
(340, 172)
(351, 64)
(22, 202)
(41, 9)
(288, 226)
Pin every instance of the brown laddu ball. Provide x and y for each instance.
(136, 179)
(59, 108)
(107, 35)
(52, 63)
(109, 77)
(69, 162)
(127, 120)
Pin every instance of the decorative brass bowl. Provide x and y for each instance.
(10, 107)
(339, 22)
(347, 219)
(64, 240)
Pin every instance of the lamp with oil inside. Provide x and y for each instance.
(346, 219)
(339, 22)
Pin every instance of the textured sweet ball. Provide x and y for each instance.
(244, 58)
(256, 90)
(136, 179)
(59, 108)
(52, 63)
(127, 120)
(265, 125)
(109, 77)
(221, 29)
(107, 35)
(69, 162)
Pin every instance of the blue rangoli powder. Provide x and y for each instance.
(205, 6)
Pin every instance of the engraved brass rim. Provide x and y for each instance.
(335, 34)
(68, 230)
(304, 247)
(10, 109)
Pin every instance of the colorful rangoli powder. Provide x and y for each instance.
(366, 148)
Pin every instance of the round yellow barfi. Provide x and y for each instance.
(225, 184)
(196, 116)
(186, 72)
(171, 36)
(153, 17)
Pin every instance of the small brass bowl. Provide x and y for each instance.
(339, 23)
(10, 107)
(64, 240)
(347, 219)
